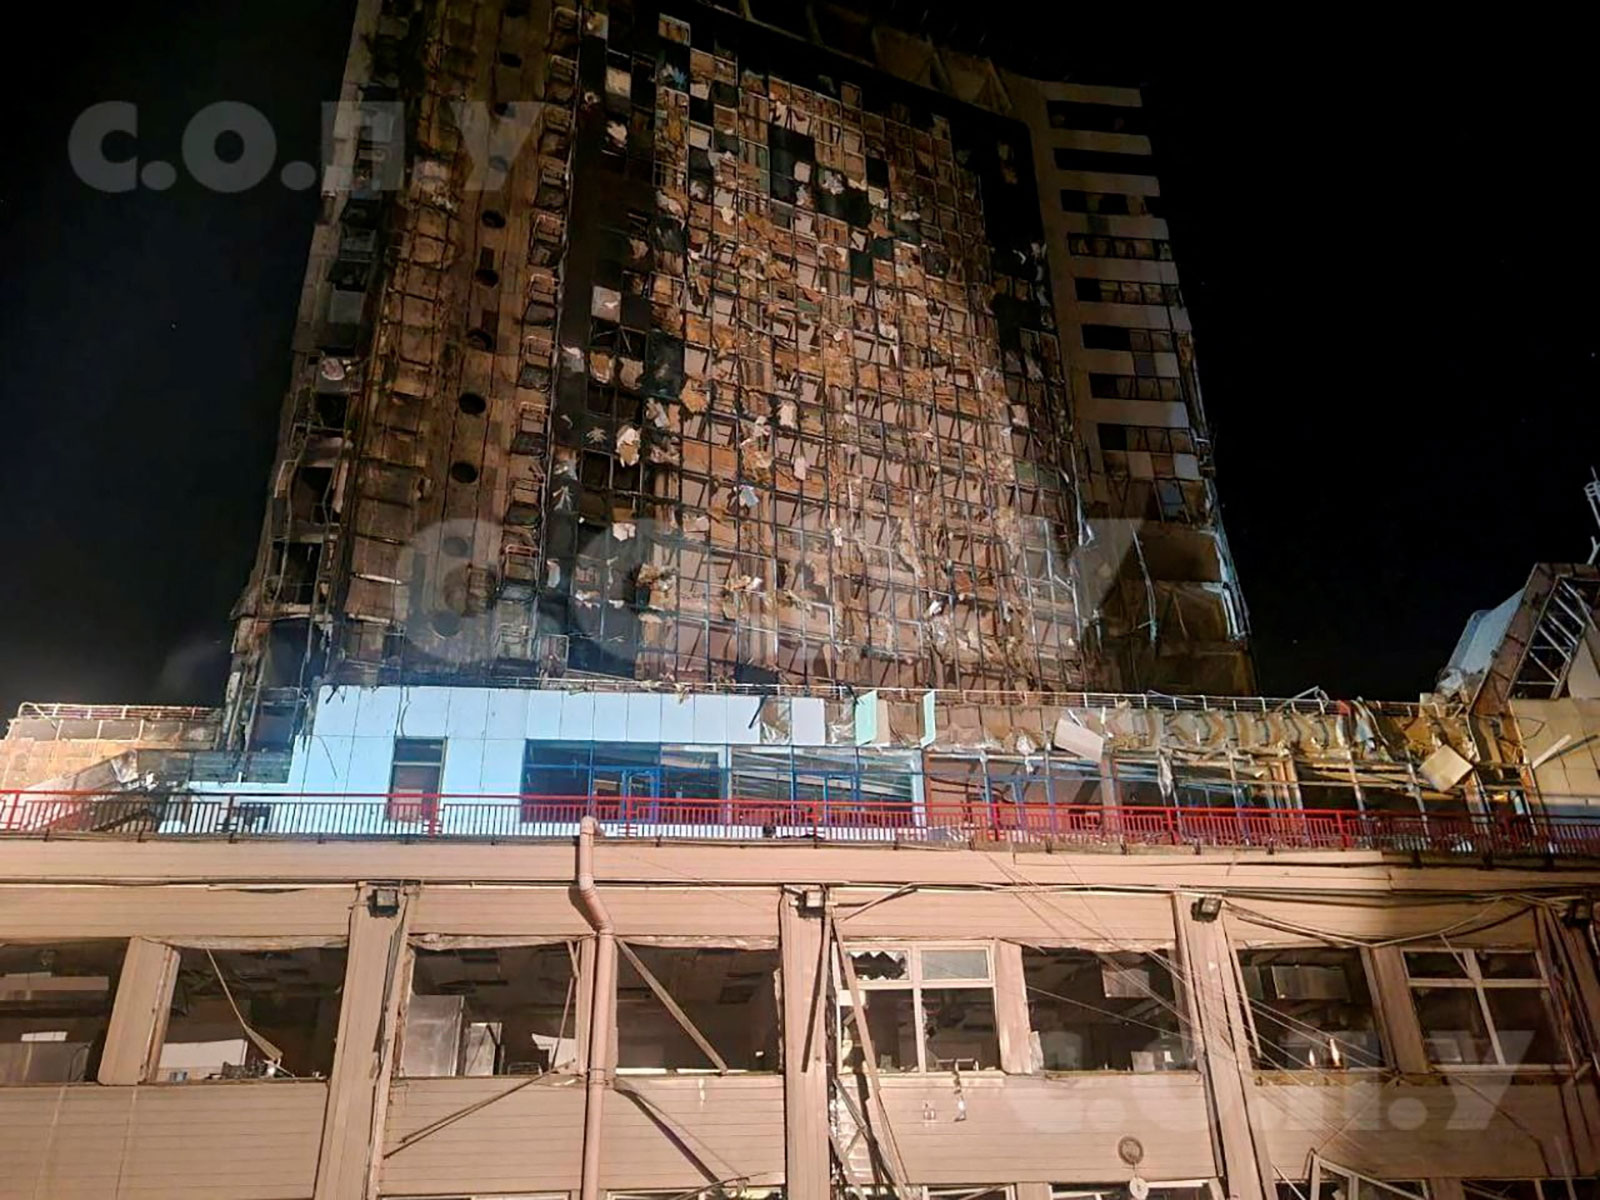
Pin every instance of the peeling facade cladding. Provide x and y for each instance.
(656, 343)
(662, 760)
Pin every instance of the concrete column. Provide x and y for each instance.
(807, 1158)
(358, 1089)
(1223, 1049)
(139, 1012)
(1011, 1010)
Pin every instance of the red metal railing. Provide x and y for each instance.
(242, 815)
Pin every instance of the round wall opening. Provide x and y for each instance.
(463, 472)
(472, 404)
(493, 218)
(456, 547)
(508, 59)
(479, 339)
(487, 276)
(446, 624)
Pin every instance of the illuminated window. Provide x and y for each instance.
(1310, 1009)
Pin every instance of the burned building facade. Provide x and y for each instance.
(657, 343)
(744, 696)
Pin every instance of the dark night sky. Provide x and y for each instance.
(1389, 254)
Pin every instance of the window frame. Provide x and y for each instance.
(914, 983)
(1474, 1189)
(1187, 1031)
(1475, 982)
(413, 806)
(1260, 1060)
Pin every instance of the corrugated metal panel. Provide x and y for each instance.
(659, 1133)
(1077, 919)
(746, 912)
(675, 1133)
(1406, 1131)
(172, 912)
(1047, 1130)
(529, 1138)
(229, 1141)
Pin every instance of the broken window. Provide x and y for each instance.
(494, 1010)
(1185, 1189)
(1104, 1012)
(1531, 1189)
(928, 1008)
(1484, 1007)
(415, 778)
(55, 1006)
(1339, 1183)
(684, 1008)
(245, 1014)
(1310, 1009)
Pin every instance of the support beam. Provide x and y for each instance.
(1011, 1010)
(1224, 1051)
(1397, 1016)
(139, 1013)
(358, 1088)
(805, 1053)
(882, 1133)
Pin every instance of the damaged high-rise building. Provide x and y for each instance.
(744, 697)
(665, 345)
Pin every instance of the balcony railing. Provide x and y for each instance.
(276, 815)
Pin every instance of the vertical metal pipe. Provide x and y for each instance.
(600, 1009)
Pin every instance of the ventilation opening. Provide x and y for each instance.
(456, 547)
(446, 624)
(487, 276)
(500, 163)
(493, 218)
(463, 472)
(472, 404)
(500, 108)
(508, 59)
(480, 339)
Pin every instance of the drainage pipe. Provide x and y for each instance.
(600, 1009)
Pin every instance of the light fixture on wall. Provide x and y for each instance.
(384, 901)
(1207, 908)
(1580, 913)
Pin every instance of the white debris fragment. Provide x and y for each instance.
(623, 530)
(628, 446)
